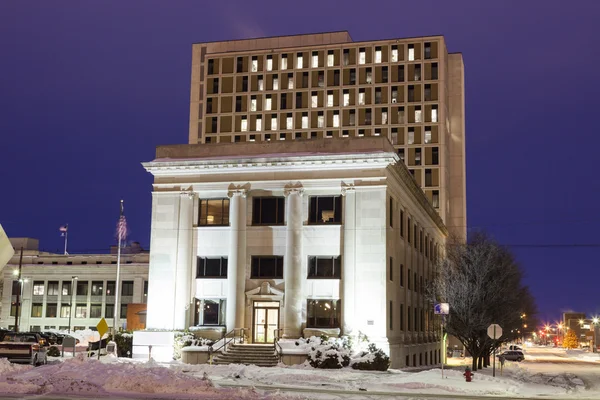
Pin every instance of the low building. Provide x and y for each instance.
(299, 238)
(72, 291)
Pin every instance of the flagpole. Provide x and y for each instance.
(66, 238)
(117, 286)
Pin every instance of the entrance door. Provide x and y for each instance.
(266, 321)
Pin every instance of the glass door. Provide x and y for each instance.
(266, 321)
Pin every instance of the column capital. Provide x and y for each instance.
(297, 189)
(187, 193)
(348, 189)
(237, 192)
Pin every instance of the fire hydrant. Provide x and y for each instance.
(468, 374)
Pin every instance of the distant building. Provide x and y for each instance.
(50, 293)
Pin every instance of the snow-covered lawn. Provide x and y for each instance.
(112, 377)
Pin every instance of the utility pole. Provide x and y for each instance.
(17, 309)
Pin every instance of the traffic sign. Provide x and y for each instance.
(102, 327)
(441, 308)
(494, 331)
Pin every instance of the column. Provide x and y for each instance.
(292, 265)
(183, 265)
(349, 261)
(236, 264)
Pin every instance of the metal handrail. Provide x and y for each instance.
(276, 344)
(227, 338)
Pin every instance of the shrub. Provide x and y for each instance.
(328, 354)
(124, 341)
(372, 360)
(187, 339)
(53, 351)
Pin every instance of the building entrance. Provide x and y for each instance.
(265, 321)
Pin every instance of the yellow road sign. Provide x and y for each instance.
(102, 327)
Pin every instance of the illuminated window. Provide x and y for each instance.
(377, 55)
(411, 52)
(290, 81)
(266, 267)
(253, 103)
(394, 53)
(268, 102)
(325, 210)
(322, 314)
(336, 119)
(284, 63)
(411, 136)
(81, 310)
(65, 310)
(315, 59)
(53, 288)
(434, 114)
(304, 121)
(417, 156)
(346, 57)
(97, 288)
(274, 122)
(361, 97)
(324, 267)
(320, 120)
(346, 98)
(211, 267)
(261, 84)
(38, 288)
(314, 100)
(275, 83)
(400, 115)
(299, 61)
(384, 117)
(427, 135)
(213, 212)
(269, 63)
(258, 124)
(36, 310)
(418, 114)
(254, 64)
(210, 312)
(51, 310)
(369, 75)
(289, 122)
(435, 199)
(417, 72)
(329, 99)
(427, 50)
(362, 56)
(244, 126)
(330, 59)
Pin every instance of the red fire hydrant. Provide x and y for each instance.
(468, 374)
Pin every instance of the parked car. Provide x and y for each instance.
(50, 337)
(514, 347)
(27, 347)
(60, 337)
(513, 355)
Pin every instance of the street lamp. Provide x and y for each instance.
(73, 279)
(594, 323)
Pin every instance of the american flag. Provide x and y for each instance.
(122, 225)
(63, 229)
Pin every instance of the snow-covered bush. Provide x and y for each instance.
(124, 341)
(53, 351)
(187, 339)
(329, 353)
(372, 360)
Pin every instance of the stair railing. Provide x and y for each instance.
(234, 336)
(276, 346)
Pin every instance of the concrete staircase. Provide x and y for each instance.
(262, 355)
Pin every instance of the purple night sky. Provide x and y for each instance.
(87, 90)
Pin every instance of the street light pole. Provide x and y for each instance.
(73, 279)
(594, 323)
(18, 309)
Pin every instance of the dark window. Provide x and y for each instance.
(411, 93)
(211, 267)
(244, 84)
(421, 241)
(434, 70)
(417, 72)
(435, 156)
(238, 103)
(267, 267)
(391, 269)
(145, 288)
(66, 289)
(408, 279)
(368, 116)
(416, 324)
(400, 73)
(336, 77)
(283, 101)
(321, 78)
(408, 319)
(402, 317)
(408, 230)
(211, 67)
(209, 106)
(415, 236)
(391, 212)
(417, 156)
(325, 210)
(353, 76)
(127, 288)
(97, 287)
(346, 56)
(427, 51)
(96, 311)
(109, 311)
(36, 310)
(305, 79)
(110, 288)
(213, 124)
(402, 223)
(53, 288)
(402, 275)
(210, 312)
(435, 199)
(401, 154)
(268, 210)
(391, 315)
(213, 212)
(324, 267)
(123, 312)
(240, 64)
(415, 284)
(298, 100)
(51, 310)
(427, 92)
(428, 180)
(82, 288)
(215, 85)
(384, 74)
(323, 314)
(377, 95)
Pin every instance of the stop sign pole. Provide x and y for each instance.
(494, 331)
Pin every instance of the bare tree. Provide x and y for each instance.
(482, 283)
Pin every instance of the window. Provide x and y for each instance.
(244, 124)
(353, 76)
(261, 83)
(273, 122)
(304, 120)
(238, 103)
(325, 210)
(377, 95)
(97, 287)
(346, 57)
(427, 135)
(435, 199)
(323, 314)
(209, 106)
(38, 288)
(346, 99)
(352, 115)
(394, 53)
(361, 97)
(298, 99)
(240, 64)
(314, 100)
(411, 135)
(51, 310)
(275, 83)
(283, 102)
(320, 120)
(391, 315)
(289, 122)
(418, 114)
(214, 212)
(109, 311)
(259, 123)
(368, 115)
(65, 310)
(434, 113)
(269, 63)
(284, 63)
(384, 117)
(81, 310)
(411, 52)
(362, 56)
(82, 288)
(428, 180)
(417, 156)
(384, 74)
(305, 79)
(215, 88)
(415, 241)
(127, 288)
(400, 115)
(427, 92)
(299, 61)
(253, 103)
(336, 119)
(369, 75)
(427, 50)
(336, 78)
(66, 289)
(211, 67)
(96, 311)
(36, 310)
(400, 73)
(315, 59)
(254, 64)
(377, 55)
(123, 312)
(213, 124)
(434, 70)
(330, 59)
(411, 93)
(402, 275)
(391, 267)
(268, 210)
(210, 312)
(417, 72)
(290, 81)
(211, 267)
(268, 102)
(330, 99)
(435, 156)
(324, 267)
(408, 319)
(266, 267)
(402, 317)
